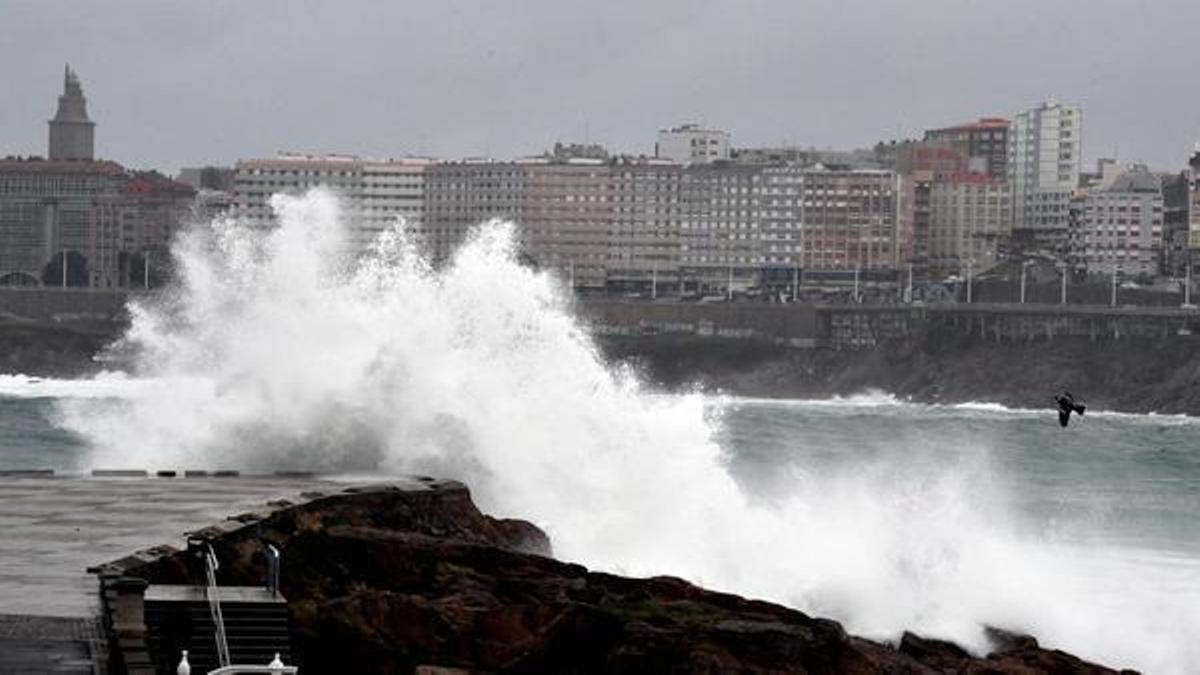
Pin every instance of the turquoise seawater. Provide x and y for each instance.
(955, 515)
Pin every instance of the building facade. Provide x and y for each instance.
(824, 220)
(1123, 226)
(1193, 207)
(984, 144)
(567, 219)
(1175, 223)
(563, 211)
(720, 242)
(1044, 160)
(375, 193)
(969, 219)
(461, 195)
(692, 144)
(102, 220)
(647, 212)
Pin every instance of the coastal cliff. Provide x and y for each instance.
(1132, 374)
(387, 580)
(1136, 375)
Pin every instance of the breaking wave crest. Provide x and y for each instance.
(280, 350)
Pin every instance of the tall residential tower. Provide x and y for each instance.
(1044, 148)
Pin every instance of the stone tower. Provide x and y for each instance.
(71, 132)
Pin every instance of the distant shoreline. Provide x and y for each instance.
(1132, 375)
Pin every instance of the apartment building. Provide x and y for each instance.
(969, 218)
(567, 218)
(720, 242)
(563, 210)
(647, 209)
(692, 144)
(819, 219)
(1123, 226)
(983, 144)
(1044, 159)
(376, 193)
(100, 217)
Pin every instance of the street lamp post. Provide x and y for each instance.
(1113, 301)
(1187, 285)
(1064, 283)
(970, 269)
(909, 294)
(1024, 266)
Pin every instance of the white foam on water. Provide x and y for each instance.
(277, 351)
(103, 385)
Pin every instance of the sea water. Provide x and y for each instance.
(285, 350)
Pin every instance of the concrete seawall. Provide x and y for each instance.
(867, 326)
(63, 305)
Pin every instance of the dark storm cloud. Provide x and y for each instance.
(173, 84)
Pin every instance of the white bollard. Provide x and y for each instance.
(184, 667)
(276, 663)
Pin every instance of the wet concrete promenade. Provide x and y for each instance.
(53, 528)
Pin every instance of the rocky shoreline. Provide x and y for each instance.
(1131, 375)
(45, 349)
(389, 580)
(1134, 375)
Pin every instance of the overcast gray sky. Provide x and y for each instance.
(173, 84)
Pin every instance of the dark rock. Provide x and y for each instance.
(386, 581)
(939, 365)
(938, 654)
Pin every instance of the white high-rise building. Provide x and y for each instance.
(374, 192)
(692, 144)
(1044, 160)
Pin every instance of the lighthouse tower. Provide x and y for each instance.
(71, 132)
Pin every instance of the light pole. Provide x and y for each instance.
(908, 294)
(64, 268)
(1187, 285)
(146, 270)
(1064, 283)
(970, 269)
(1024, 266)
(857, 298)
(1113, 301)
(654, 282)
(729, 286)
(795, 283)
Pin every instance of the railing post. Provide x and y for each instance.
(214, 606)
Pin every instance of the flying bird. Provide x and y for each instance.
(1067, 405)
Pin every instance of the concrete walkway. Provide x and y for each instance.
(54, 528)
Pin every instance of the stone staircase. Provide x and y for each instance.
(178, 618)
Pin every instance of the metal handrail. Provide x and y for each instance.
(256, 670)
(214, 607)
(273, 569)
